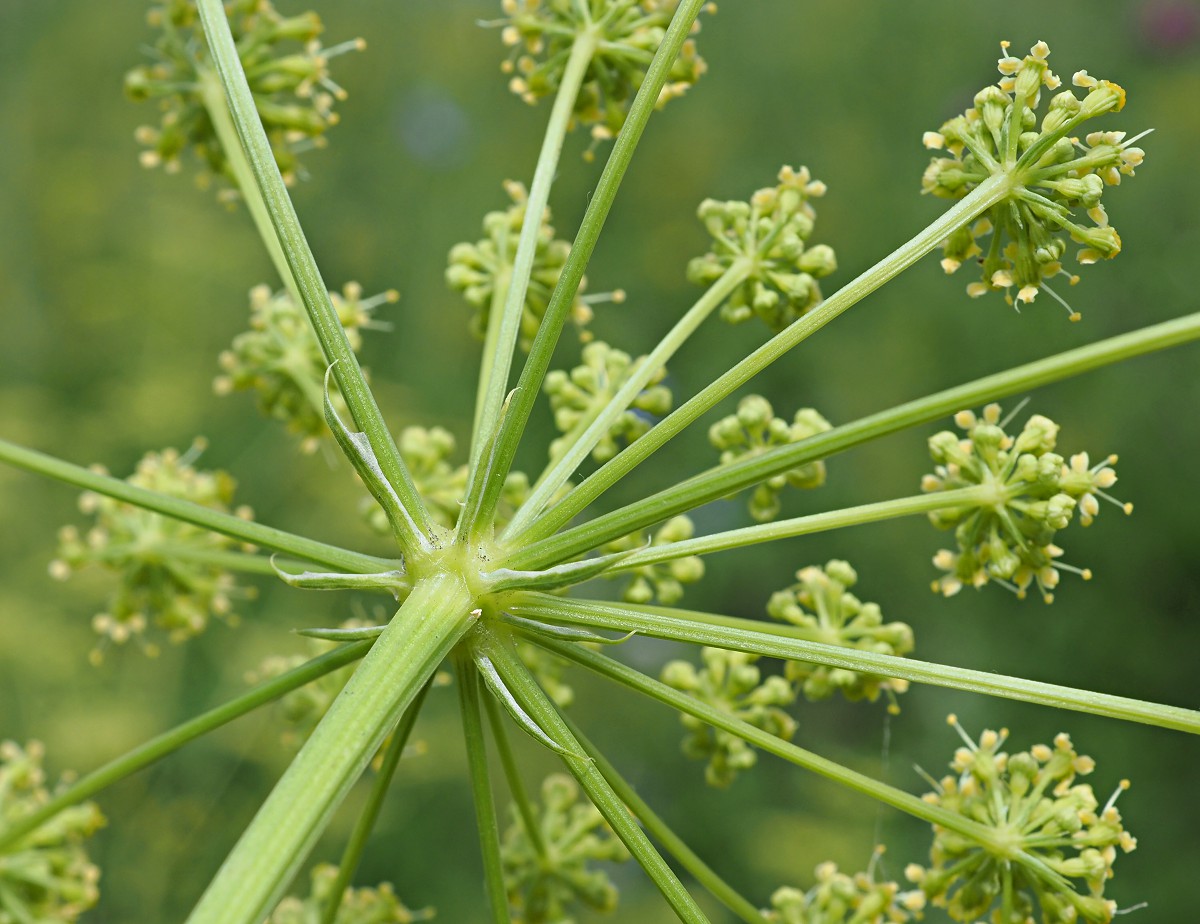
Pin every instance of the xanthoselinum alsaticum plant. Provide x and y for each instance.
(487, 561)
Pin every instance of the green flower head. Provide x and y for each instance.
(1026, 493)
(822, 604)
(767, 240)
(663, 581)
(841, 899)
(45, 877)
(1054, 176)
(169, 572)
(550, 873)
(1043, 830)
(285, 63)
(376, 905)
(732, 682)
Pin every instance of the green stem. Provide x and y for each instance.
(802, 526)
(227, 524)
(983, 197)
(481, 787)
(215, 105)
(561, 469)
(493, 383)
(314, 294)
(116, 770)
(487, 361)
(253, 877)
(535, 702)
(487, 478)
(352, 855)
(512, 775)
(762, 638)
(704, 874)
(889, 795)
(721, 481)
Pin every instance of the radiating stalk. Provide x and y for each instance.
(704, 874)
(779, 641)
(560, 470)
(495, 371)
(487, 481)
(481, 788)
(966, 210)
(313, 292)
(205, 517)
(436, 615)
(535, 702)
(723, 480)
(512, 775)
(803, 526)
(352, 855)
(157, 748)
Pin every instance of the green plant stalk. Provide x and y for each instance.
(436, 615)
(762, 638)
(889, 795)
(246, 562)
(215, 105)
(966, 210)
(493, 380)
(802, 526)
(313, 291)
(512, 775)
(167, 743)
(226, 524)
(352, 855)
(560, 470)
(721, 481)
(487, 478)
(535, 702)
(481, 787)
(704, 874)
(490, 354)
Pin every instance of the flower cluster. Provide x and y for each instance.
(1026, 494)
(768, 238)
(1042, 831)
(626, 34)
(378, 905)
(46, 876)
(280, 359)
(1054, 175)
(170, 573)
(578, 396)
(841, 899)
(483, 270)
(442, 485)
(822, 604)
(662, 581)
(732, 682)
(753, 430)
(549, 871)
(285, 63)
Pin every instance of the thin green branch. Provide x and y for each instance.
(724, 480)
(495, 371)
(226, 524)
(889, 795)
(966, 210)
(534, 701)
(352, 855)
(512, 774)
(481, 787)
(436, 615)
(560, 470)
(704, 874)
(313, 292)
(802, 526)
(774, 641)
(167, 743)
(486, 481)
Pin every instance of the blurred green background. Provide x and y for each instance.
(120, 285)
